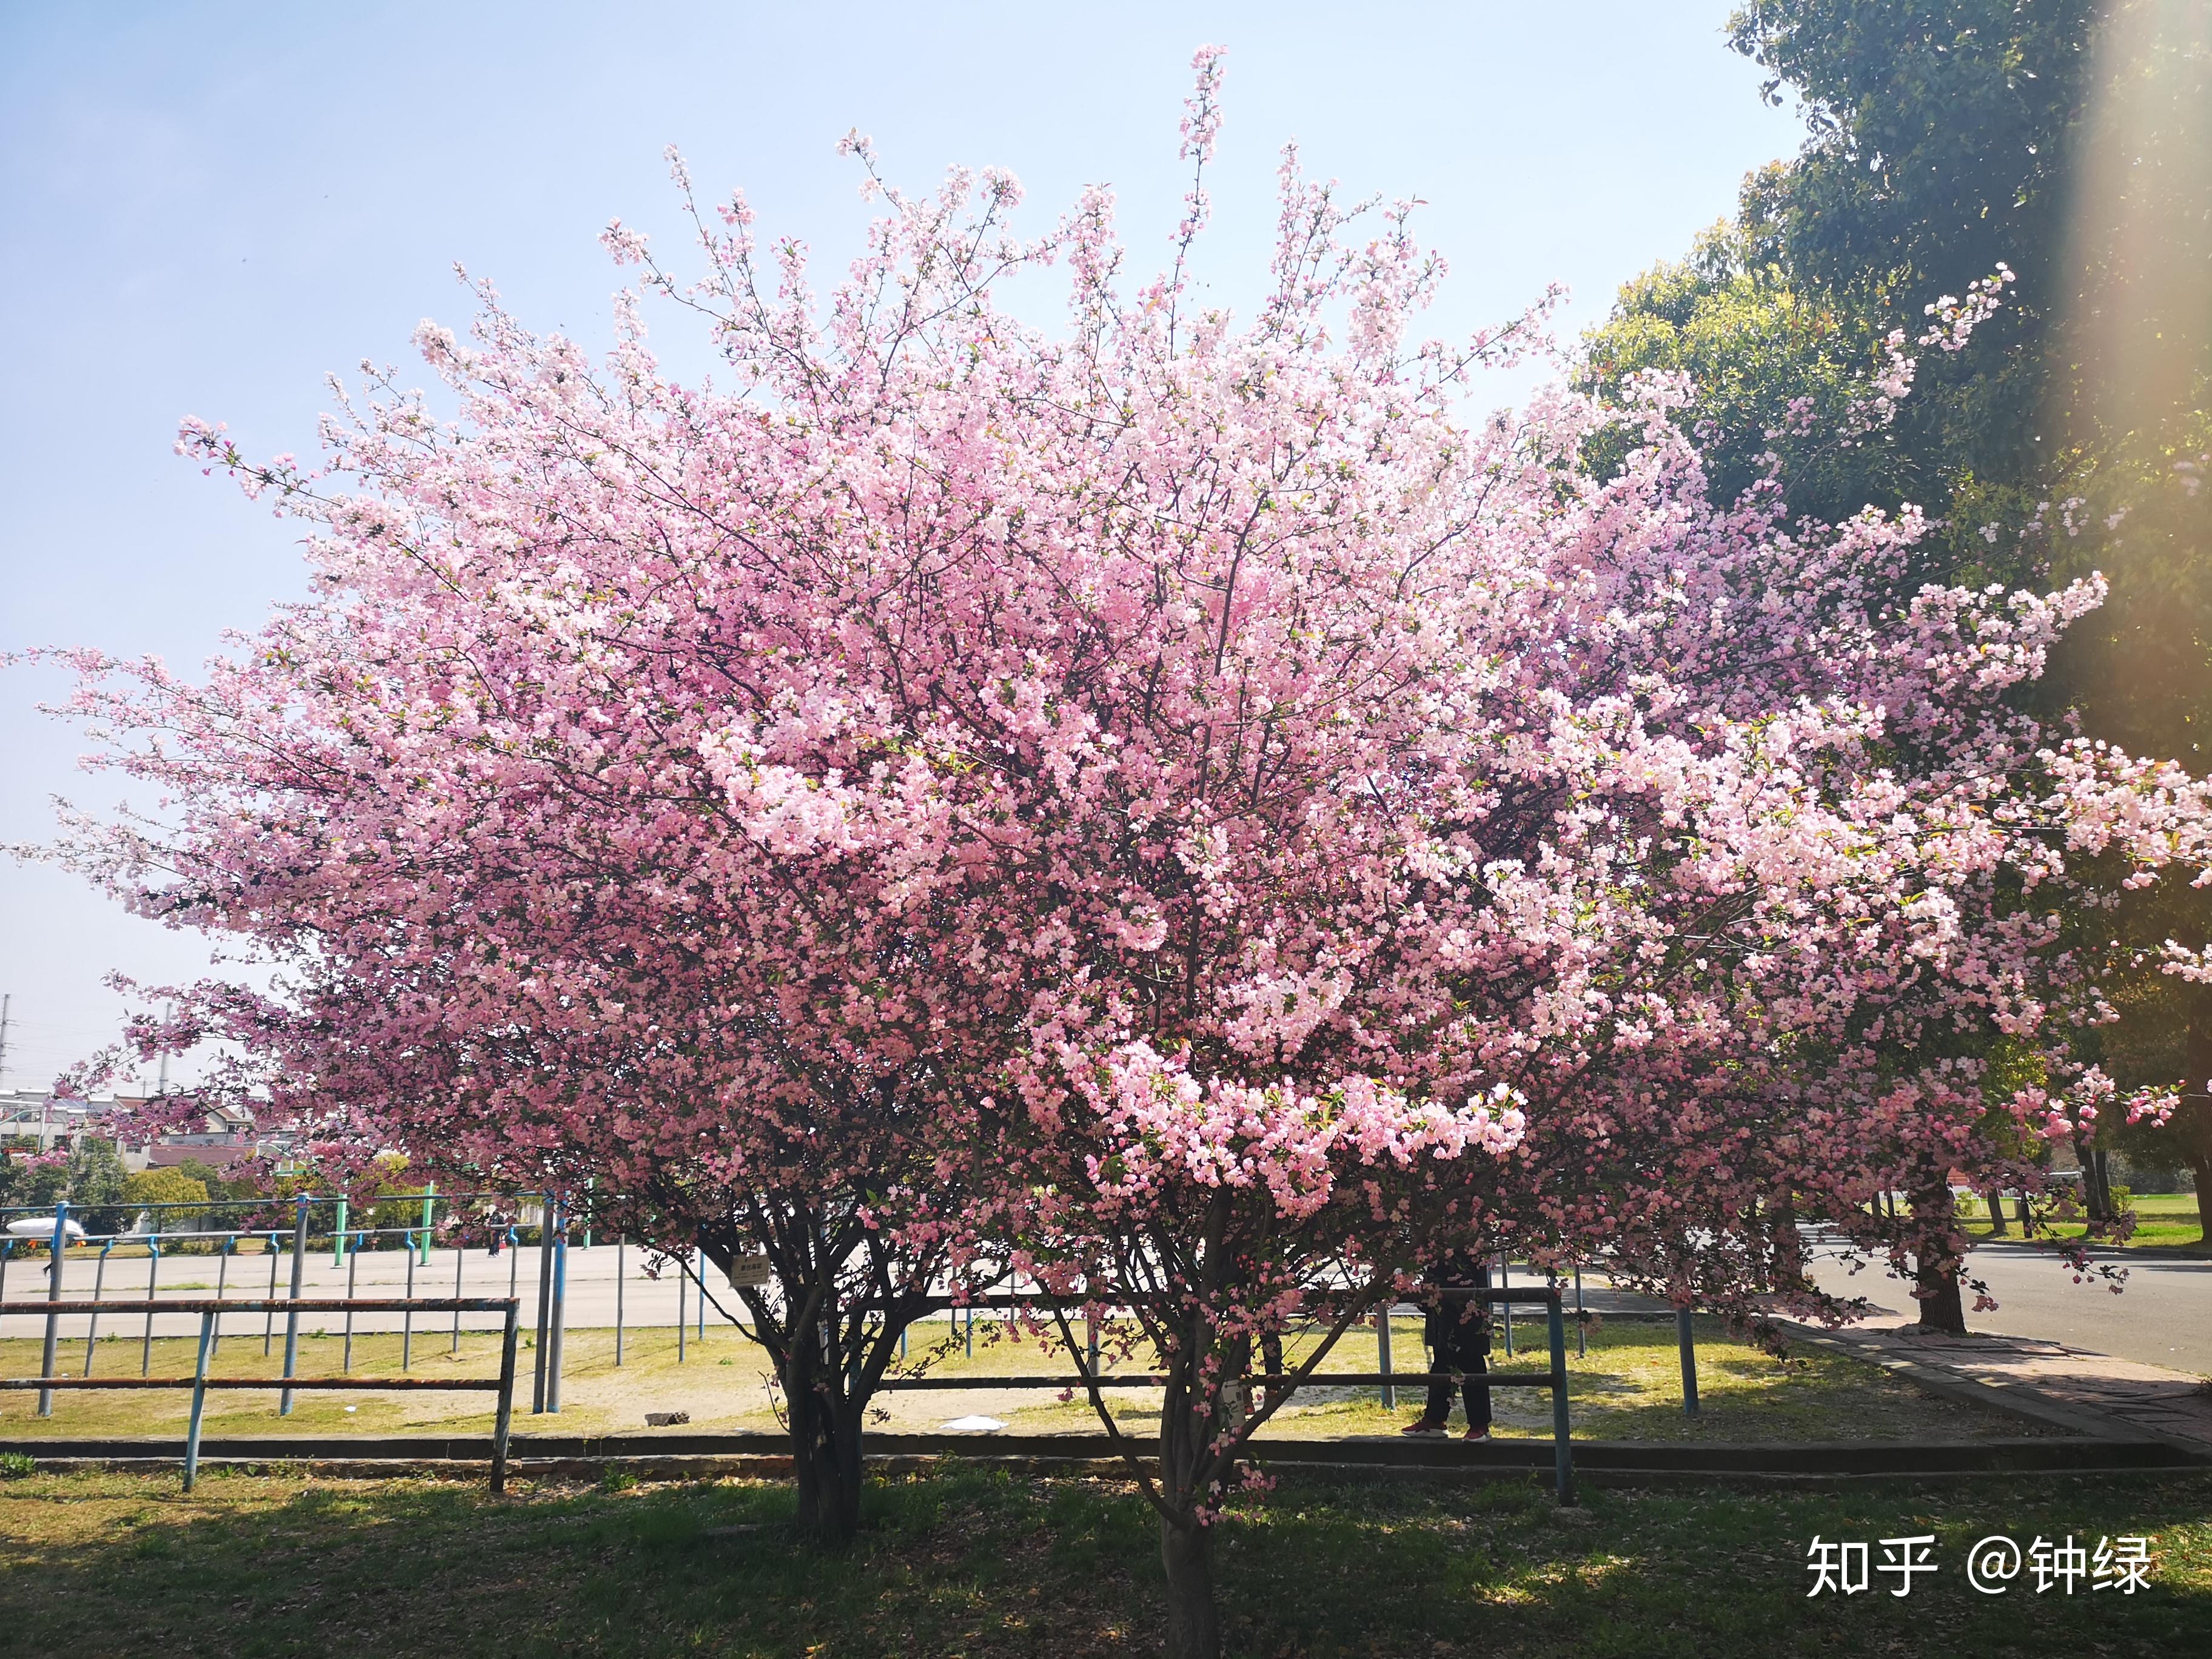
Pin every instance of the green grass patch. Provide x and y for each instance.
(2164, 1221)
(969, 1563)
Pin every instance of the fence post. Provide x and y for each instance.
(152, 1284)
(1383, 1351)
(221, 1275)
(545, 1303)
(505, 1421)
(407, 1319)
(199, 1401)
(559, 1315)
(1685, 1339)
(292, 1317)
(269, 1319)
(337, 1237)
(1563, 1446)
(353, 1268)
(47, 1359)
(92, 1326)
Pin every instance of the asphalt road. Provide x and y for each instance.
(590, 1284)
(2162, 1317)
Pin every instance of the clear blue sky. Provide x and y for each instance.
(205, 209)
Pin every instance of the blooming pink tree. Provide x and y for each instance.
(1167, 805)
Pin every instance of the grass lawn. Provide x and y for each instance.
(1627, 1387)
(2163, 1221)
(964, 1562)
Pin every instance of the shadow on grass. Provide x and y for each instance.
(981, 1564)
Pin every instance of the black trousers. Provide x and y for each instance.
(1458, 1337)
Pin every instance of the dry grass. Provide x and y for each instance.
(1628, 1388)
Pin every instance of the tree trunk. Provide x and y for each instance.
(1936, 1272)
(1942, 1308)
(1193, 1626)
(2096, 1195)
(1995, 1198)
(2200, 1169)
(825, 1447)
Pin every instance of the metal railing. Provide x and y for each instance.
(1091, 1379)
(199, 1382)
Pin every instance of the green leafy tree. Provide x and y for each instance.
(98, 1183)
(2070, 142)
(171, 1186)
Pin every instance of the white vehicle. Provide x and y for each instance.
(40, 1229)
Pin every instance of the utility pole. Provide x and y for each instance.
(5, 1003)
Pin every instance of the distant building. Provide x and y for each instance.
(37, 1119)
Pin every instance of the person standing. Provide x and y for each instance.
(1457, 1333)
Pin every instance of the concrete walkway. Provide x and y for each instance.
(2068, 1388)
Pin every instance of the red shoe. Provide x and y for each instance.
(1423, 1426)
(1476, 1434)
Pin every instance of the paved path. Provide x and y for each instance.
(2059, 1346)
(590, 1282)
(2163, 1315)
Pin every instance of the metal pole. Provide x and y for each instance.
(92, 1329)
(292, 1318)
(153, 1275)
(1686, 1339)
(429, 1202)
(700, 1279)
(683, 1320)
(1581, 1337)
(269, 1320)
(1505, 1283)
(53, 1294)
(504, 1422)
(353, 1270)
(337, 1237)
(461, 1255)
(545, 1303)
(619, 1248)
(1562, 1444)
(1383, 1353)
(221, 1274)
(560, 1315)
(199, 1401)
(407, 1317)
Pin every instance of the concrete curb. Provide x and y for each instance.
(760, 1458)
(2013, 1397)
(2020, 1398)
